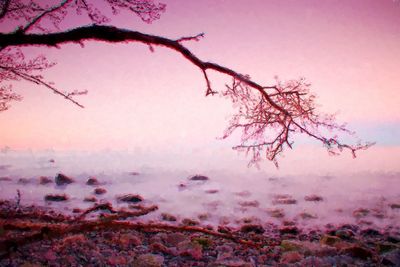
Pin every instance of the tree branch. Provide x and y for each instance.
(117, 35)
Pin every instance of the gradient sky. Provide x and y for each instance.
(348, 50)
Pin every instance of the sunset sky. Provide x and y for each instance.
(138, 100)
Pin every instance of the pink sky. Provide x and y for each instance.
(349, 51)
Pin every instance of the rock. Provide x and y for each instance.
(358, 252)
(168, 217)
(276, 213)
(243, 193)
(291, 245)
(92, 181)
(24, 181)
(314, 198)
(345, 234)
(307, 248)
(56, 197)
(289, 230)
(76, 210)
(283, 200)
(212, 191)
(203, 241)
(127, 240)
(90, 199)
(307, 216)
(134, 173)
(329, 240)
(45, 180)
(100, 191)
(52, 160)
(173, 239)
(370, 232)
(383, 247)
(291, 257)
(5, 179)
(395, 206)
(203, 216)
(391, 258)
(190, 222)
(132, 198)
(62, 179)
(199, 178)
(253, 203)
(255, 228)
(189, 248)
(149, 260)
(359, 213)
(233, 262)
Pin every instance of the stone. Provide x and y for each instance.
(370, 232)
(252, 203)
(190, 222)
(289, 230)
(132, 198)
(314, 198)
(173, 239)
(168, 217)
(127, 240)
(100, 191)
(361, 212)
(329, 240)
(283, 200)
(307, 216)
(199, 178)
(358, 252)
(212, 191)
(345, 234)
(24, 181)
(291, 257)
(391, 258)
(90, 199)
(56, 197)
(92, 181)
(62, 179)
(192, 249)
(45, 180)
(395, 206)
(384, 247)
(276, 213)
(255, 228)
(149, 260)
(5, 179)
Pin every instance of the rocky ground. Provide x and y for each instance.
(35, 236)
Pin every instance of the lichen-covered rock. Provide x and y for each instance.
(62, 179)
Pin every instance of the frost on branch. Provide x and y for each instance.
(269, 120)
